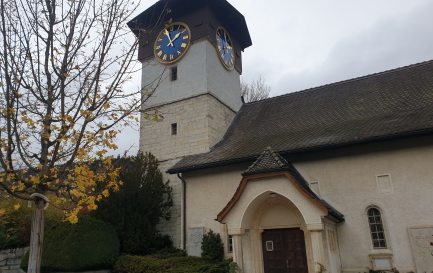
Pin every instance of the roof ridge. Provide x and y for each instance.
(316, 88)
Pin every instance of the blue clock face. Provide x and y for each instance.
(226, 51)
(172, 43)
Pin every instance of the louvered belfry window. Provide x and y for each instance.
(376, 228)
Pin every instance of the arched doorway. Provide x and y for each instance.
(277, 201)
(276, 230)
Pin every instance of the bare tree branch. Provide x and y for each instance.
(255, 91)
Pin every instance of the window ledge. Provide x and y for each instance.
(380, 252)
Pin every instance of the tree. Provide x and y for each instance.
(139, 206)
(255, 91)
(212, 247)
(63, 67)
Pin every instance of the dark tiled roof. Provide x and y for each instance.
(268, 161)
(395, 103)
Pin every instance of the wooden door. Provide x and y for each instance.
(284, 251)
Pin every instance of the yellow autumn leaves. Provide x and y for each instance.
(3, 211)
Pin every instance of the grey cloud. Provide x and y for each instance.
(388, 44)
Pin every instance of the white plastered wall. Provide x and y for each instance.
(256, 211)
(347, 179)
(199, 72)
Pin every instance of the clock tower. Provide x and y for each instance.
(191, 55)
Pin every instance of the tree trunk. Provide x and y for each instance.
(36, 237)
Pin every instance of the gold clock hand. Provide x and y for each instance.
(226, 39)
(170, 42)
(175, 37)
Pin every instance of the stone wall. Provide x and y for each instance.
(201, 123)
(10, 260)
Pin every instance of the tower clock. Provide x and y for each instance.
(172, 43)
(225, 48)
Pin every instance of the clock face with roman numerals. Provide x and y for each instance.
(172, 43)
(225, 49)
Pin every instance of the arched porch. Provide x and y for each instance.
(271, 206)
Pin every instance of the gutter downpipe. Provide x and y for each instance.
(183, 208)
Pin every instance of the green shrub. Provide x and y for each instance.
(169, 252)
(182, 264)
(16, 223)
(88, 245)
(3, 238)
(140, 205)
(212, 247)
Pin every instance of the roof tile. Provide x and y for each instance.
(395, 103)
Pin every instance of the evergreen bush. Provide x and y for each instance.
(90, 244)
(169, 253)
(140, 205)
(212, 247)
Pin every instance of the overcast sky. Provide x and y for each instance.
(298, 44)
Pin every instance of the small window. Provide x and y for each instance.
(173, 73)
(230, 244)
(174, 129)
(269, 246)
(376, 228)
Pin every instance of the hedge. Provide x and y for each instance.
(174, 264)
(89, 245)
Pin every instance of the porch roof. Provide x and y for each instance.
(270, 163)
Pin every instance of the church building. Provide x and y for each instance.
(336, 179)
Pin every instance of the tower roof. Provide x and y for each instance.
(164, 10)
